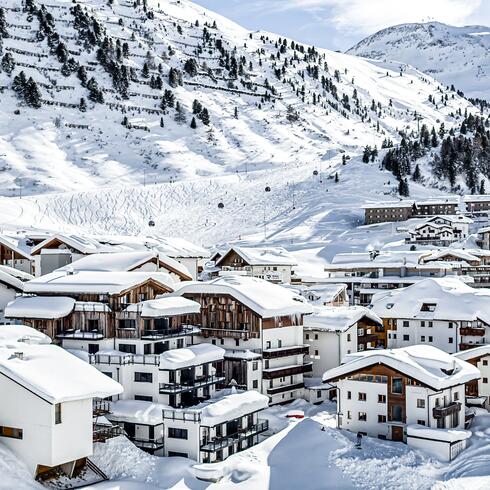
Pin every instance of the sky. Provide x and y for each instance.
(339, 24)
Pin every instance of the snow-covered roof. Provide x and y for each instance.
(457, 253)
(477, 198)
(83, 244)
(338, 318)
(262, 256)
(125, 262)
(388, 205)
(485, 229)
(9, 243)
(453, 300)
(446, 435)
(266, 299)
(439, 200)
(425, 363)
(325, 293)
(94, 282)
(22, 333)
(378, 259)
(40, 307)
(193, 355)
(435, 226)
(165, 306)
(54, 374)
(227, 405)
(92, 306)
(11, 281)
(23, 276)
(137, 411)
(452, 218)
(480, 351)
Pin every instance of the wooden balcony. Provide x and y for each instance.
(81, 334)
(285, 352)
(172, 388)
(466, 346)
(441, 412)
(236, 438)
(275, 373)
(103, 432)
(100, 407)
(227, 333)
(473, 331)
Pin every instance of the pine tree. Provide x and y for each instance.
(61, 52)
(204, 116)
(336, 177)
(174, 77)
(83, 105)
(196, 107)
(95, 95)
(32, 94)
(145, 73)
(8, 63)
(434, 142)
(179, 114)
(292, 115)
(193, 123)
(236, 113)
(191, 67)
(481, 190)
(366, 154)
(162, 124)
(19, 85)
(3, 24)
(82, 75)
(416, 174)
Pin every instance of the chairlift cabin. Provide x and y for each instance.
(221, 205)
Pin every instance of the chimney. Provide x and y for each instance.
(18, 355)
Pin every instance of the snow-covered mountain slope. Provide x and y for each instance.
(452, 55)
(340, 102)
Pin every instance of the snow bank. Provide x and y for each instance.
(338, 318)
(22, 333)
(165, 306)
(137, 411)
(446, 435)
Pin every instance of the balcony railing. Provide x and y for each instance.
(466, 346)
(285, 352)
(171, 388)
(284, 389)
(103, 432)
(274, 373)
(227, 333)
(151, 444)
(181, 415)
(100, 407)
(81, 334)
(473, 331)
(124, 360)
(167, 334)
(236, 438)
(441, 412)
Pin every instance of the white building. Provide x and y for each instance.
(327, 294)
(273, 264)
(441, 230)
(217, 428)
(47, 396)
(478, 391)
(333, 332)
(260, 325)
(415, 394)
(441, 312)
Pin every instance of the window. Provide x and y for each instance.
(255, 366)
(129, 348)
(93, 348)
(176, 454)
(11, 432)
(93, 323)
(362, 397)
(57, 413)
(397, 386)
(430, 338)
(362, 416)
(318, 393)
(484, 380)
(126, 323)
(421, 422)
(143, 398)
(107, 374)
(349, 416)
(381, 398)
(451, 340)
(396, 413)
(307, 336)
(348, 337)
(406, 338)
(485, 362)
(174, 433)
(268, 344)
(430, 324)
(428, 307)
(406, 323)
(382, 436)
(422, 323)
(349, 394)
(422, 338)
(450, 325)
(143, 377)
(316, 336)
(456, 396)
(381, 419)
(237, 342)
(420, 403)
(255, 384)
(317, 353)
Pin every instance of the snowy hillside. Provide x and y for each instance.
(452, 55)
(118, 58)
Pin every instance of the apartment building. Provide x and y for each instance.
(413, 394)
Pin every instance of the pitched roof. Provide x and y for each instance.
(9, 243)
(454, 300)
(40, 307)
(480, 351)
(262, 256)
(126, 262)
(82, 244)
(338, 318)
(266, 299)
(51, 372)
(427, 364)
(94, 282)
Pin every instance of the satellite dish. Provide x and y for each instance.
(221, 205)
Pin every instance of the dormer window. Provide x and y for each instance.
(429, 307)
